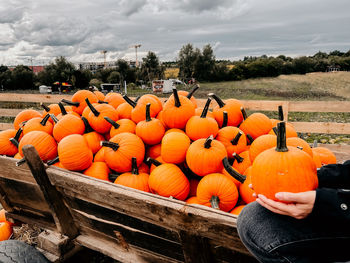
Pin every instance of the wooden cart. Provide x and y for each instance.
(126, 224)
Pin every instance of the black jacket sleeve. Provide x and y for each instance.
(334, 176)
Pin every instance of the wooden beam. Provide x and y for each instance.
(322, 127)
(192, 244)
(60, 212)
(45, 98)
(9, 112)
(5, 126)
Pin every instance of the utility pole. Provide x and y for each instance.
(136, 47)
(104, 58)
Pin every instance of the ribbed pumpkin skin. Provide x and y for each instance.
(296, 141)
(326, 156)
(293, 171)
(219, 185)
(198, 112)
(192, 200)
(233, 109)
(245, 191)
(74, 153)
(69, 124)
(126, 125)
(204, 161)
(34, 125)
(100, 155)
(154, 151)
(25, 115)
(261, 144)
(6, 147)
(139, 112)
(168, 180)
(80, 97)
(114, 99)
(5, 231)
(256, 125)
(185, 93)
(99, 95)
(54, 109)
(44, 143)
(242, 166)
(93, 140)
(226, 135)
(290, 131)
(174, 147)
(236, 182)
(237, 210)
(198, 128)
(177, 117)
(159, 159)
(151, 132)
(136, 181)
(130, 145)
(98, 123)
(124, 111)
(98, 170)
(174, 130)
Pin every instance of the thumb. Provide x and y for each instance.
(291, 197)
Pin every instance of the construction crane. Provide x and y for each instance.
(136, 47)
(104, 58)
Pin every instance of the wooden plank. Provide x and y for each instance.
(54, 242)
(9, 112)
(60, 212)
(5, 126)
(322, 127)
(169, 213)
(45, 98)
(319, 106)
(32, 219)
(9, 170)
(5, 202)
(192, 243)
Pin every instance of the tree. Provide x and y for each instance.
(204, 64)
(186, 61)
(151, 68)
(81, 78)
(23, 78)
(114, 77)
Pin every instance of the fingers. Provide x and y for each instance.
(301, 198)
(262, 202)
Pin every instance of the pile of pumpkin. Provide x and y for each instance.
(173, 149)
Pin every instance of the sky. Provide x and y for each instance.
(36, 32)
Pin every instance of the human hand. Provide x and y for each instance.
(300, 207)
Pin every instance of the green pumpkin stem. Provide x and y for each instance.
(114, 146)
(148, 112)
(62, 108)
(20, 162)
(314, 144)
(176, 98)
(235, 140)
(239, 177)
(71, 103)
(114, 123)
(280, 113)
(208, 142)
(45, 107)
(224, 119)
(153, 161)
(281, 137)
(237, 157)
(244, 113)
(275, 130)
(53, 161)
(92, 108)
(219, 101)
(206, 108)
(130, 101)
(134, 168)
(214, 202)
(45, 119)
(88, 127)
(54, 118)
(190, 94)
(15, 139)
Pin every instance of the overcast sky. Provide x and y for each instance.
(37, 31)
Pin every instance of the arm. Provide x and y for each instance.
(334, 175)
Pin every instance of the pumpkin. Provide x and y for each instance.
(261, 144)
(290, 131)
(143, 168)
(78, 102)
(299, 143)
(92, 138)
(245, 191)
(114, 99)
(51, 109)
(174, 147)
(198, 112)
(237, 210)
(232, 173)
(3, 217)
(38, 124)
(100, 96)
(100, 155)
(174, 130)
(151, 130)
(199, 127)
(134, 179)
(22, 117)
(5, 231)
(138, 112)
(325, 155)
(120, 126)
(177, 111)
(217, 191)
(283, 169)
(9, 141)
(44, 143)
(193, 186)
(231, 106)
(120, 150)
(192, 200)
(74, 153)
(189, 95)
(156, 104)
(124, 111)
(65, 110)
(98, 170)
(256, 124)
(154, 162)
(69, 124)
(204, 156)
(233, 139)
(154, 151)
(168, 180)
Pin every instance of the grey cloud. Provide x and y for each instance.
(10, 14)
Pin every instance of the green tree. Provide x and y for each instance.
(114, 77)
(151, 68)
(23, 78)
(186, 61)
(204, 65)
(81, 78)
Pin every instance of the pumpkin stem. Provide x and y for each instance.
(92, 108)
(20, 162)
(225, 119)
(235, 140)
(190, 94)
(45, 107)
(153, 161)
(53, 117)
(114, 123)
(134, 168)
(281, 137)
(244, 113)
(53, 161)
(206, 108)
(148, 112)
(176, 98)
(15, 139)
(217, 99)
(114, 146)
(130, 101)
(45, 119)
(102, 102)
(239, 177)
(315, 144)
(214, 202)
(88, 127)
(280, 113)
(71, 103)
(275, 130)
(62, 108)
(300, 147)
(237, 157)
(137, 98)
(113, 176)
(208, 141)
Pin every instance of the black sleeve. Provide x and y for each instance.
(334, 176)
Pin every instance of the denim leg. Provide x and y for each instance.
(275, 238)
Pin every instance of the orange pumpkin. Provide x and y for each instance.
(192, 200)
(233, 139)
(65, 110)
(98, 170)
(78, 102)
(299, 143)
(5, 231)
(174, 147)
(325, 155)
(100, 155)
(120, 126)
(256, 124)
(22, 117)
(114, 99)
(9, 141)
(237, 210)
(261, 144)
(51, 109)
(124, 111)
(189, 95)
(100, 96)
(92, 138)
(193, 186)
(38, 124)
(245, 191)
(154, 151)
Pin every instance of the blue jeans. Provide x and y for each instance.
(272, 237)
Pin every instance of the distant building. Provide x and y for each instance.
(96, 66)
(35, 69)
(333, 68)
